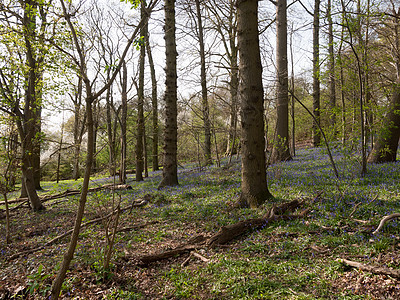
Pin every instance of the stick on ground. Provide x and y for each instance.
(371, 269)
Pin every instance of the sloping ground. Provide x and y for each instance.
(295, 259)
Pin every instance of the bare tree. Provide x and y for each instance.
(91, 96)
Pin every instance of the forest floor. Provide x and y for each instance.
(295, 259)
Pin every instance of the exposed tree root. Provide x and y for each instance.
(371, 269)
(230, 232)
(385, 220)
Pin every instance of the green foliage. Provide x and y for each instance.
(135, 3)
(38, 283)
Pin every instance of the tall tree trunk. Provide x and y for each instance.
(124, 116)
(254, 189)
(331, 69)
(27, 126)
(140, 116)
(385, 148)
(386, 144)
(69, 254)
(95, 111)
(170, 164)
(316, 76)
(292, 87)
(203, 79)
(233, 80)
(110, 128)
(281, 151)
(154, 105)
(79, 128)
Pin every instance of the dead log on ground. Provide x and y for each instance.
(371, 269)
(230, 232)
(193, 244)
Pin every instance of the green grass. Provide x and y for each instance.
(279, 261)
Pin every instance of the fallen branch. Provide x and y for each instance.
(371, 269)
(385, 220)
(191, 245)
(57, 238)
(73, 192)
(201, 257)
(229, 233)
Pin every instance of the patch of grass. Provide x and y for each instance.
(286, 260)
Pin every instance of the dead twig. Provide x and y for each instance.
(369, 268)
(385, 220)
(201, 257)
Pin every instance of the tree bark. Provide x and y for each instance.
(204, 96)
(170, 166)
(140, 113)
(124, 116)
(26, 122)
(386, 144)
(254, 189)
(331, 69)
(154, 104)
(316, 76)
(79, 128)
(281, 151)
(385, 148)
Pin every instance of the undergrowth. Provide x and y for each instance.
(287, 260)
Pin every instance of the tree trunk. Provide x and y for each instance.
(281, 151)
(170, 167)
(27, 126)
(124, 116)
(154, 104)
(387, 142)
(331, 70)
(203, 79)
(95, 116)
(140, 114)
(316, 76)
(79, 128)
(109, 123)
(254, 182)
(68, 255)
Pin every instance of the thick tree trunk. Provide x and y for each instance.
(316, 76)
(254, 182)
(203, 79)
(387, 142)
(281, 151)
(27, 126)
(170, 166)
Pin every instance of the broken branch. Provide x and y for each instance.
(371, 269)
